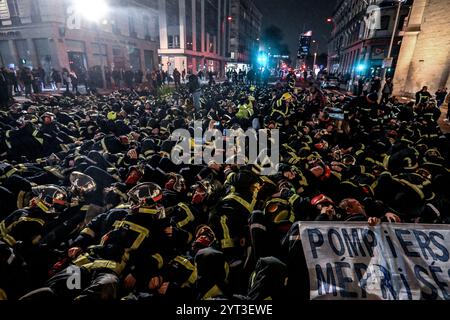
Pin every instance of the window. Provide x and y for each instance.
(35, 12)
(173, 23)
(98, 48)
(146, 21)
(23, 52)
(14, 12)
(117, 51)
(198, 27)
(189, 44)
(384, 24)
(43, 53)
(149, 60)
(176, 41)
(6, 56)
(135, 58)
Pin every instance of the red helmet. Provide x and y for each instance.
(321, 199)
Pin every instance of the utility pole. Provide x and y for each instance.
(315, 53)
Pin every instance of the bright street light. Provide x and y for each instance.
(360, 67)
(92, 10)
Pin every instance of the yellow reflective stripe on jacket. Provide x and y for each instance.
(245, 204)
(54, 171)
(413, 186)
(106, 264)
(27, 219)
(288, 147)
(189, 218)
(226, 242)
(102, 142)
(9, 173)
(5, 236)
(160, 260)
(89, 232)
(293, 198)
(40, 140)
(189, 266)
(3, 295)
(213, 292)
(143, 232)
(4, 230)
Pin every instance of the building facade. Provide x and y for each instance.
(52, 34)
(194, 35)
(424, 58)
(361, 35)
(208, 35)
(246, 22)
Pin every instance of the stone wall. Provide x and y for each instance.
(425, 52)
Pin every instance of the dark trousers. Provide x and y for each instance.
(385, 97)
(100, 284)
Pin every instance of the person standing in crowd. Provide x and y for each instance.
(266, 76)
(176, 77)
(14, 82)
(4, 97)
(10, 82)
(423, 96)
(138, 75)
(387, 91)
(74, 80)
(251, 77)
(375, 84)
(27, 78)
(211, 78)
(195, 90)
(441, 94)
(42, 78)
(116, 75)
(360, 86)
(200, 75)
(183, 75)
(240, 76)
(36, 81)
(108, 77)
(66, 79)
(128, 78)
(159, 78)
(56, 79)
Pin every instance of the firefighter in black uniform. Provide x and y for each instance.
(131, 251)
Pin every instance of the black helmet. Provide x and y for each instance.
(206, 191)
(147, 198)
(279, 211)
(81, 183)
(176, 182)
(49, 198)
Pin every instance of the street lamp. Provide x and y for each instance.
(315, 53)
(391, 44)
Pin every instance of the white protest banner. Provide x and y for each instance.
(389, 261)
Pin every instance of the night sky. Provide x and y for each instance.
(295, 16)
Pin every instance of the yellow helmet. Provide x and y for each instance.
(287, 96)
(112, 115)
